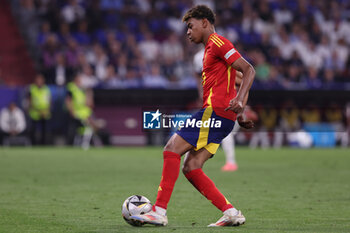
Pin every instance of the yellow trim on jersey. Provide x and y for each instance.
(209, 97)
(215, 42)
(228, 78)
(203, 78)
(216, 37)
(205, 59)
(204, 131)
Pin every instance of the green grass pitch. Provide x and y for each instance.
(71, 190)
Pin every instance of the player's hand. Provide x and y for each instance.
(247, 124)
(235, 105)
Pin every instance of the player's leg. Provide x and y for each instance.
(178, 145)
(173, 151)
(228, 146)
(192, 169)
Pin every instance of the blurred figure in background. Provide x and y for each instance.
(79, 105)
(82, 125)
(268, 116)
(289, 123)
(310, 114)
(12, 123)
(39, 110)
(112, 79)
(154, 78)
(72, 12)
(228, 143)
(87, 77)
(334, 116)
(60, 73)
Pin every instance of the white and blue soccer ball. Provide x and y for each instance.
(134, 205)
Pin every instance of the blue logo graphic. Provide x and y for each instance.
(151, 120)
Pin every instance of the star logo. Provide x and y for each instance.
(151, 120)
(155, 115)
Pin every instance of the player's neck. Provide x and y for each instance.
(207, 35)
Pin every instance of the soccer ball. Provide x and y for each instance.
(133, 205)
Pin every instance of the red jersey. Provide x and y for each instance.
(218, 75)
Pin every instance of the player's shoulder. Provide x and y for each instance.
(218, 40)
(221, 37)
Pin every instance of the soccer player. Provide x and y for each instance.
(220, 102)
(228, 143)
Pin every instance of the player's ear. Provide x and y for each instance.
(204, 23)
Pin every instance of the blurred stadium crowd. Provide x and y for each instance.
(300, 44)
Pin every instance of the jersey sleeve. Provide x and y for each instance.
(225, 49)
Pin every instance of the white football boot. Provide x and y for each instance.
(151, 217)
(229, 220)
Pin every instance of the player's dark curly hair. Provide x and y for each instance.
(200, 12)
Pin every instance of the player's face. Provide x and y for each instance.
(195, 30)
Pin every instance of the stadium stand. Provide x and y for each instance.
(16, 66)
(305, 42)
(293, 44)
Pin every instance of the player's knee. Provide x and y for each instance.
(185, 169)
(189, 166)
(168, 147)
(177, 146)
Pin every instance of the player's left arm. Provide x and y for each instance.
(237, 104)
(226, 51)
(238, 81)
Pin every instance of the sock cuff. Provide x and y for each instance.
(170, 154)
(193, 173)
(226, 207)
